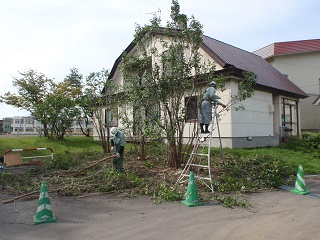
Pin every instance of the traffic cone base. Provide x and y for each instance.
(44, 212)
(192, 199)
(192, 204)
(299, 192)
(44, 220)
(300, 185)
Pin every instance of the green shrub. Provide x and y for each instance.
(309, 143)
(296, 143)
(161, 191)
(312, 140)
(248, 174)
(20, 182)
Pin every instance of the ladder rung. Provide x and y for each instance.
(206, 178)
(188, 175)
(199, 165)
(200, 154)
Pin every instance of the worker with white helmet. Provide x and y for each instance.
(209, 98)
(118, 141)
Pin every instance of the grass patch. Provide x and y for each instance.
(62, 149)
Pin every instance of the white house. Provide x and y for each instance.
(300, 61)
(275, 104)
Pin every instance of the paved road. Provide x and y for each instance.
(273, 215)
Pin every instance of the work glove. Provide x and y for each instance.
(118, 155)
(112, 148)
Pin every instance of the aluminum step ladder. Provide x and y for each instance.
(199, 159)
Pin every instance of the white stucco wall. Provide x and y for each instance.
(256, 119)
(206, 58)
(303, 69)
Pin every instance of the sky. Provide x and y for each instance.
(53, 36)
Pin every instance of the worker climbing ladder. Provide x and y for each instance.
(199, 159)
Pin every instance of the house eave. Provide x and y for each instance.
(280, 91)
(118, 60)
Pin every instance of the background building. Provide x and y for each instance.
(300, 61)
(27, 125)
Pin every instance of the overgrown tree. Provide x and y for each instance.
(165, 68)
(95, 104)
(157, 80)
(75, 80)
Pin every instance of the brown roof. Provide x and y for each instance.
(292, 47)
(267, 76)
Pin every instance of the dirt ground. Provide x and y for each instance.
(272, 215)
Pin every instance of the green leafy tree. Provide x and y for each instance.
(96, 104)
(61, 109)
(75, 80)
(167, 66)
(49, 102)
(33, 89)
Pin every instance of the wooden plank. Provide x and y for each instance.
(12, 159)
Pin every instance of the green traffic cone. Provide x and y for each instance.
(300, 185)
(192, 199)
(44, 212)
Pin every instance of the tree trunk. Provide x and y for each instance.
(87, 134)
